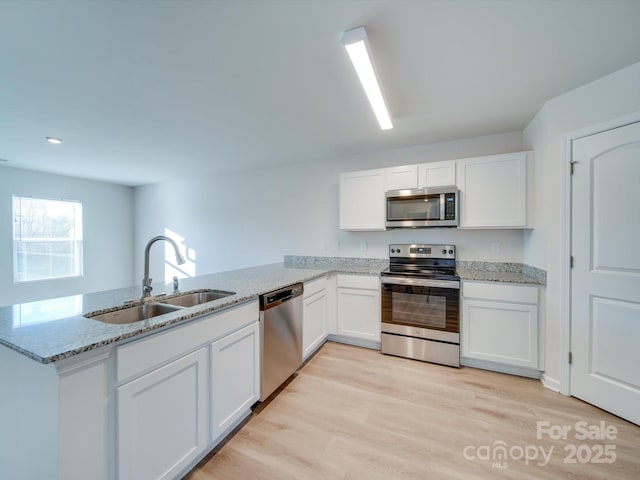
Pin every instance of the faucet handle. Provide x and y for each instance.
(146, 287)
(175, 284)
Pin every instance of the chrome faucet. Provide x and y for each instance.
(146, 281)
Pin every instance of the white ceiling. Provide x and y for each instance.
(146, 91)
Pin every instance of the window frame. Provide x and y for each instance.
(77, 241)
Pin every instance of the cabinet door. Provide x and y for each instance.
(359, 313)
(235, 378)
(437, 174)
(314, 325)
(493, 191)
(362, 200)
(500, 332)
(162, 419)
(402, 177)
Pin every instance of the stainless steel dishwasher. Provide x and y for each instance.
(280, 337)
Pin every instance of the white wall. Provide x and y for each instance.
(259, 216)
(613, 96)
(108, 234)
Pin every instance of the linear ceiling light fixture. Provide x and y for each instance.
(356, 43)
(54, 140)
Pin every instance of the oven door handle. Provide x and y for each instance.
(421, 282)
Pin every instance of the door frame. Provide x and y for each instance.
(566, 238)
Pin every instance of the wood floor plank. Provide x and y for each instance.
(353, 414)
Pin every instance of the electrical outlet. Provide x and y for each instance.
(323, 245)
(495, 247)
(363, 246)
(336, 246)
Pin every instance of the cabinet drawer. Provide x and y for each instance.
(367, 282)
(500, 291)
(314, 286)
(140, 356)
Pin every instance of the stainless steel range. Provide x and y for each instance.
(421, 304)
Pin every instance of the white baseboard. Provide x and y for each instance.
(550, 383)
(498, 367)
(354, 341)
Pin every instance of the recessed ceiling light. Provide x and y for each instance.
(357, 45)
(54, 140)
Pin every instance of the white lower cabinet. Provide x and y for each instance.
(235, 378)
(500, 325)
(314, 327)
(359, 307)
(315, 313)
(162, 419)
(180, 391)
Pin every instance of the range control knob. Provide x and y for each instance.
(444, 252)
(393, 251)
(450, 252)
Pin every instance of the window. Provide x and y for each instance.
(47, 239)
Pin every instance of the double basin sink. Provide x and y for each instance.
(159, 306)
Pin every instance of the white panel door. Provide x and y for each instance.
(605, 301)
(235, 378)
(162, 419)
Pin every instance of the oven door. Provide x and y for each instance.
(414, 304)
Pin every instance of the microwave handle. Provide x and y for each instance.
(442, 206)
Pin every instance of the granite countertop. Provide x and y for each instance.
(355, 265)
(51, 330)
(501, 272)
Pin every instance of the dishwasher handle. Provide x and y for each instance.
(277, 297)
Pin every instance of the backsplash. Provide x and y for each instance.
(311, 261)
(471, 270)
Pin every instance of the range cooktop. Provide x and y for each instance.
(422, 261)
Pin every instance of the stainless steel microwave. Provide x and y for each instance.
(422, 207)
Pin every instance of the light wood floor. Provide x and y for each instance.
(353, 413)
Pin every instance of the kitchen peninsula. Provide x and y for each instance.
(71, 384)
(78, 393)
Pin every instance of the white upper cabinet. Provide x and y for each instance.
(493, 191)
(162, 419)
(398, 178)
(315, 310)
(437, 174)
(362, 200)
